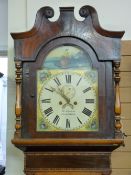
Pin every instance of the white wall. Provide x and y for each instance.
(113, 15)
(16, 22)
(3, 24)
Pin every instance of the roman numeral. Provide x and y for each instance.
(46, 100)
(57, 81)
(86, 112)
(79, 120)
(86, 90)
(67, 123)
(68, 78)
(51, 90)
(56, 120)
(89, 100)
(78, 81)
(48, 111)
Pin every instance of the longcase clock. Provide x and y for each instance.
(67, 94)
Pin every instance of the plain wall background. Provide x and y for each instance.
(3, 24)
(113, 15)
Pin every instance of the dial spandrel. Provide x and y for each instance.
(67, 100)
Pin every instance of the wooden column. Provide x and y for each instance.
(118, 125)
(18, 108)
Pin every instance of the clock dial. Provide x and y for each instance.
(67, 100)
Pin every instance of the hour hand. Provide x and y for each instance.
(53, 89)
(60, 92)
(63, 95)
(67, 100)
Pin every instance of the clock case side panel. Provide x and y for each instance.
(29, 91)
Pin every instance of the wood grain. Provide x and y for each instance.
(121, 160)
(65, 142)
(126, 47)
(126, 110)
(125, 79)
(125, 63)
(31, 48)
(125, 94)
(126, 126)
(120, 171)
(66, 173)
(127, 147)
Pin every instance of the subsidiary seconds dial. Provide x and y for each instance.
(68, 100)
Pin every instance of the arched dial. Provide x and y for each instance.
(68, 99)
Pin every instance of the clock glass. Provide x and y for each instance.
(67, 92)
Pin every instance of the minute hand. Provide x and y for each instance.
(66, 98)
(63, 95)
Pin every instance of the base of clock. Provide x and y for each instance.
(71, 163)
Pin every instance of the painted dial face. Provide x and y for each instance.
(68, 100)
